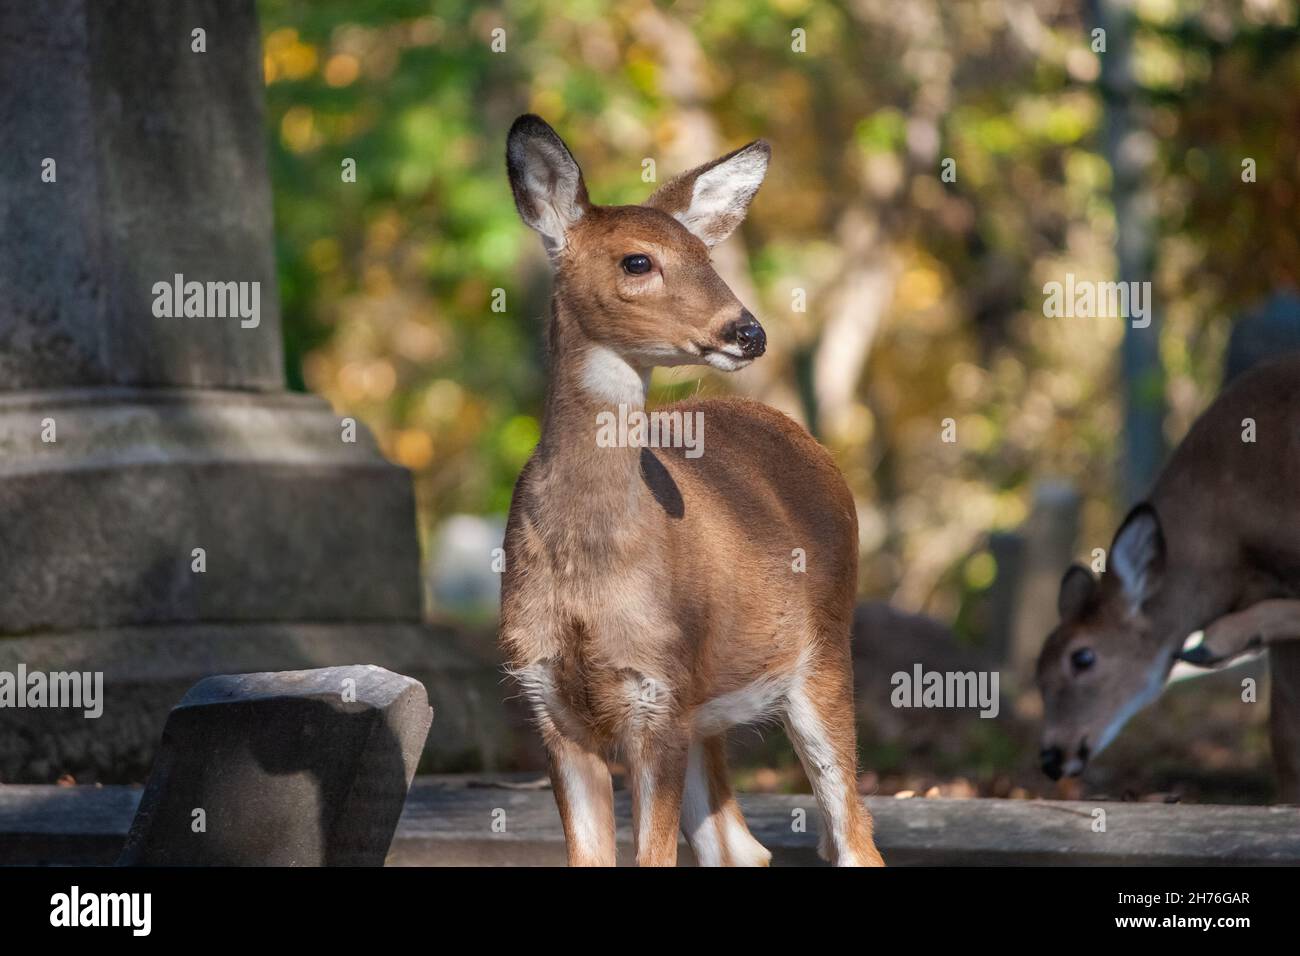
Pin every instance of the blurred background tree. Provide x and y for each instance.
(894, 296)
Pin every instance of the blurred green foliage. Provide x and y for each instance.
(924, 296)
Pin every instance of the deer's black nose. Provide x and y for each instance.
(748, 334)
(1052, 758)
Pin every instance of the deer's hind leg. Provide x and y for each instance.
(1284, 717)
(584, 795)
(711, 819)
(657, 780)
(819, 719)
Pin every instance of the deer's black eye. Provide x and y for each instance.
(637, 265)
(1083, 658)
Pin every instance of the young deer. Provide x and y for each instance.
(1216, 547)
(649, 600)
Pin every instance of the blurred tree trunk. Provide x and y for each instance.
(856, 302)
(854, 309)
(1130, 150)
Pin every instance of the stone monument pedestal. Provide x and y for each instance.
(167, 509)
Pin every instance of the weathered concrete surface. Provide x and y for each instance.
(147, 670)
(292, 768)
(448, 822)
(44, 825)
(161, 169)
(100, 526)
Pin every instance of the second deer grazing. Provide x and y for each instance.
(1215, 547)
(653, 599)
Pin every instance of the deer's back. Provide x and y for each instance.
(763, 497)
(758, 468)
(1222, 494)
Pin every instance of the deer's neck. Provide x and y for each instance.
(1198, 585)
(591, 492)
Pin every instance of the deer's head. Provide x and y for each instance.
(1109, 657)
(638, 279)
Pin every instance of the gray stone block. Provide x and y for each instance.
(161, 169)
(293, 768)
(100, 526)
(146, 670)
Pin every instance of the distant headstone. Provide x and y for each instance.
(1049, 536)
(1008, 550)
(295, 768)
(466, 560)
(1271, 330)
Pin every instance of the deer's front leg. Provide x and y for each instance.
(1268, 622)
(711, 819)
(1284, 717)
(584, 794)
(658, 776)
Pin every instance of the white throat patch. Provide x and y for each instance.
(607, 377)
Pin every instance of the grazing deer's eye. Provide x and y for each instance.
(1083, 658)
(637, 265)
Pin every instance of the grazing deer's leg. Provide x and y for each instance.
(1284, 717)
(1274, 624)
(819, 719)
(1260, 625)
(657, 779)
(584, 793)
(711, 819)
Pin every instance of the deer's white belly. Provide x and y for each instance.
(760, 701)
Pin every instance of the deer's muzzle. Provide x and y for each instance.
(1051, 759)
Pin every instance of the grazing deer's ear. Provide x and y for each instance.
(711, 200)
(1077, 588)
(549, 192)
(1138, 555)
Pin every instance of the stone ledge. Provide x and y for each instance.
(448, 821)
(122, 427)
(101, 525)
(148, 669)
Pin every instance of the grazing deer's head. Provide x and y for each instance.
(637, 279)
(1108, 658)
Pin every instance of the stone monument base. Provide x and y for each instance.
(148, 669)
(106, 494)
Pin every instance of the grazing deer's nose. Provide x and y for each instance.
(748, 334)
(1052, 758)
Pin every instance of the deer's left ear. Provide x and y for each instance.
(1138, 554)
(1078, 587)
(711, 200)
